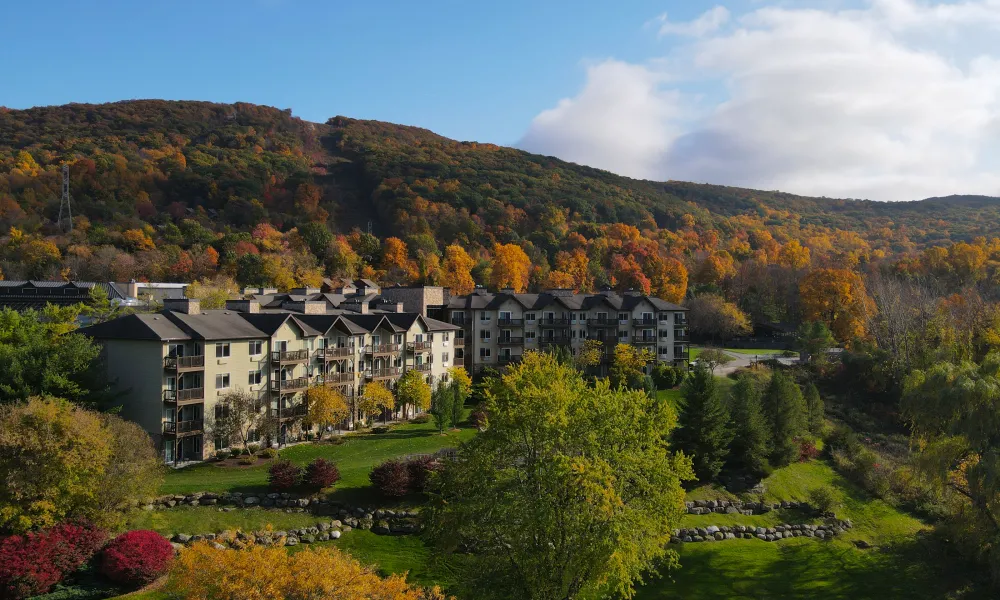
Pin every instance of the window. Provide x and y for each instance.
(647, 316)
(485, 353)
(505, 315)
(418, 338)
(530, 335)
(549, 316)
(222, 381)
(398, 339)
(623, 317)
(255, 377)
(529, 317)
(583, 317)
(459, 354)
(446, 336)
(484, 316)
(572, 317)
(664, 351)
(175, 350)
(281, 346)
(664, 317)
(664, 334)
(430, 337)
(623, 334)
(602, 316)
(222, 350)
(376, 339)
(485, 334)
(444, 359)
(256, 348)
(572, 334)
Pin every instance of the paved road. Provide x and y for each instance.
(741, 361)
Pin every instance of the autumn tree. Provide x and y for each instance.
(375, 398)
(212, 293)
(590, 353)
(714, 358)
(456, 270)
(396, 261)
(412, 392)
(511, 267)
(838, 298)
(794, 255)
(238, 415)
(715, 317)
(572, 490)
(327, 407)
(628, 366)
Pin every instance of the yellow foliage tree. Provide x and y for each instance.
(836, 297)
(576, 265)
(375, 398)
(511, 267)
(628, 364)
(327, 407)
(794, 255)
(459, 374)
(456, 271)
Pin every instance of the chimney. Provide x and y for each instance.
(244, 306)
(306, 307)
(507, 290)
(132, 289)
(188, 306)
(303, 291)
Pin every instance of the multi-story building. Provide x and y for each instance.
(497, 328)
(174, 367)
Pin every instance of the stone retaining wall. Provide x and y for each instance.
(738, 507)
(713, 533)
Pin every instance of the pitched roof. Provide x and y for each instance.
(137, 327)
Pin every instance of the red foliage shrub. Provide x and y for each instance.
(136, 558)
(31, 564)
(477, 418)
(420, 470)
(807, 450)
(321, 473)
(392, 478)
(283, 475)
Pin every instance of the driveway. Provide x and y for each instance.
(741, 361)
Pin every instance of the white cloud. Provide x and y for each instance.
(709, 22)
(853, 103)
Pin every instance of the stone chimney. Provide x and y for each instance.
(243, 306)
(132, 289)
(188, 306)
(303, 291)
(306, 307)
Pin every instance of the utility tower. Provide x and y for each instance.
(64, 203)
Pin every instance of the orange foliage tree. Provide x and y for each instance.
(794, 255)
(456, 271)
(836, 297)
(511, 267)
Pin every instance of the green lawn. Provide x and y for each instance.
(208, 519)
(355, 458)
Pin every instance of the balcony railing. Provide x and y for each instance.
(183, 427)
(546, 342)
(508, 360)
(602, 322)
(334, 353)
(382, 349)
(643, 339)
(682, 337)
(510, 341)
(288, 386)
(188, 395)
(182, 363)
(289, 356)
(424, 367)
(553, 322)
(419, 346)
(460, 342)
(510, 322)
(293, 412)
(387, 373)
(339, 378)
(644, 322)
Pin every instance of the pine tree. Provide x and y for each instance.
(814, 409)
(785, 409)
(703, 425)
(751, 432)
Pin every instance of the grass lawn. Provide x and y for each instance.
(355, 458)
(208, 519)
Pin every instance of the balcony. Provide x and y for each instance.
(182, 396)
(290, 356)
(423, 367)
(602, 323)
(549, 342)
(510, 322)
(184, 363)
(387, 373)
(508, 360)
(293, 412)
(334, 353)
(644, 339)
(651, 323)
(553, 322)
(183, 427)
(460, 342)
(339, 378)
(681, 337)
(290, 386)
(419, 346)
(510, 341)
(381, 349)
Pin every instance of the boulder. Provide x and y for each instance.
(291, 541)
(335, 535)
(251, 501)
(181, 538)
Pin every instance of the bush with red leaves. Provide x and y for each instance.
(136, 558)
(283, 475)
(807, 450)
(420, 472)
(31, 564)
(392, 478)
(477, 418)
(320, 474)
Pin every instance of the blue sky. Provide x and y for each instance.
(470, 70)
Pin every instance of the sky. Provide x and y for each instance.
(880, 99)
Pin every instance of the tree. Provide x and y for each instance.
(511, 267)
(212, 293)
(374, 398)
(571, 490)
(838, 298)
(590, 354)
(41, 355)
(441, 402)
(459, 374)
(456, 270)
(459, 392)
(628, 366)
(61, 462)
(237, 416)
(751, 431)
(316, 236)
(396, 261)
(714, 358)
(100, 309)
(814, 409)
(713, 316)
(813, 340)
(327, 407)
(413, 391)
(785, 409)
(794, 255)
(703, 426)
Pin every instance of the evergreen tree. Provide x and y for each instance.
(751, 432)
(814, 409)
(703, 425)
(457, 403)
(785, 409)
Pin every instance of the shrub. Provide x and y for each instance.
(420, 470)
(392, 478)
(248, 459)
(421, 419)
(222, 454)
(823, 499)
(807, 450)
(321, 473)
(31, 564)
(666, 376)
(253, 448)
(382, 429)
(268, 453)
(136, 558)
(477, 418)
(283, 475)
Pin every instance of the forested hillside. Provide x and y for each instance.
(189, 190)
